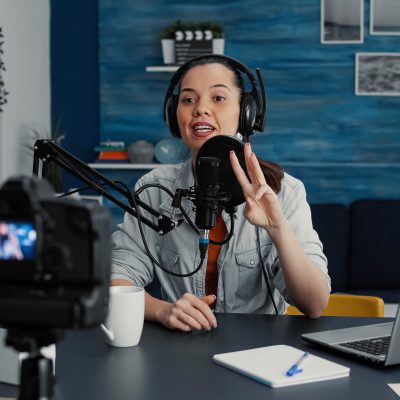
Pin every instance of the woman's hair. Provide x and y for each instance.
(272, 171)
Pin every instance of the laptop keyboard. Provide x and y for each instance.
(376, 346)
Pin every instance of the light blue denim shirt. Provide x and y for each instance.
(241, 283)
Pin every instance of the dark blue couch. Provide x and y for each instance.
(362, 244)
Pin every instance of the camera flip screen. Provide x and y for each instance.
(17, 240)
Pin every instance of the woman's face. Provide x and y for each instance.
(209, 105)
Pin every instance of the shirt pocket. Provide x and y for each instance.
(169, 259)
(249, 271)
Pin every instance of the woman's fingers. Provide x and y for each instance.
(262, 190)
(187, 321)
(239, 173)
(247, 158)
(194, 313)
(256, 170)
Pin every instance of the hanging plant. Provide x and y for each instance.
(3, 91)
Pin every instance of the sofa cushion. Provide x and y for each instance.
(331, 221)
(374, 246)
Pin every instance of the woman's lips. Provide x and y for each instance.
(202, 129)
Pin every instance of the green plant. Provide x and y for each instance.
(3, 92)
(54, 173)
(216, 28)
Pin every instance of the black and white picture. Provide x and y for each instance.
(377, 74)
(342, 21)
(385, 17)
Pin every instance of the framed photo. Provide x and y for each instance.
(342, 21)
(385, 17)
(377, 74)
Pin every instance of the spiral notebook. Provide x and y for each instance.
(269, 365)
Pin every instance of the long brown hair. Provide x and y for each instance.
(273, 174)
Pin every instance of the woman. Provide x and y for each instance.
(274, 246)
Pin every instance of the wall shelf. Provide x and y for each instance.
(127, 165)
(162, 68)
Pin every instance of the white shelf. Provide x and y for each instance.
(126, 166)
(162, 68)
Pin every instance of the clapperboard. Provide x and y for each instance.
(190, 44)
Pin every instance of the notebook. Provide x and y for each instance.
(269, 365)
(379, 343)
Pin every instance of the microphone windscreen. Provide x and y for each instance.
(219, 147)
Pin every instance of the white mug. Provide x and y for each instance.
(124, 323)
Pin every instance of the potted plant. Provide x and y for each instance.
(168, 37)
(54, 173)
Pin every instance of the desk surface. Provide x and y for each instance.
(172, 365)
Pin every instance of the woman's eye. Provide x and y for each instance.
(187, 100)
(219, 98)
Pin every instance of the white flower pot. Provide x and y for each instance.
(218, 46)
(168, 50)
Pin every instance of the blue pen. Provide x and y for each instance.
(295, 368)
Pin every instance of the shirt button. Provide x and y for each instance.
(252, 262)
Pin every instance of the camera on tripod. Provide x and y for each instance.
(54, 258)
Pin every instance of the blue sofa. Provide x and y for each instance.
(362, 244)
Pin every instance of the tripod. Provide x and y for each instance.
(37, 377)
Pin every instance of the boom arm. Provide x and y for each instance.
(46, 151)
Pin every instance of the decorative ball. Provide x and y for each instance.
(170, 151)
(141, 152)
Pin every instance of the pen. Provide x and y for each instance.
(295, 368)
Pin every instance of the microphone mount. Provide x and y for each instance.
(46, 151)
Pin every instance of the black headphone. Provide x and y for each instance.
(252, 105)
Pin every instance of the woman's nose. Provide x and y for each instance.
(202, 108)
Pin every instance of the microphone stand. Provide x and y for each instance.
(46, 151)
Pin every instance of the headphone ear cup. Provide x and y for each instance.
(248, 114)
(170, 116)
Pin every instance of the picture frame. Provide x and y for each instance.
(342, 21)
(384, 17)
(375, 74)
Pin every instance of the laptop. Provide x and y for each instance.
(379, 343)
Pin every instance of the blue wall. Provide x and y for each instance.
(342, 146)
(75, 77)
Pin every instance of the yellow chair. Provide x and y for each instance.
(349, 305)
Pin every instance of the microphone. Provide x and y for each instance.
(216, 184)
(207, 198)
(219, 147)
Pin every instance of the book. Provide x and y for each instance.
(270, 364)
(113, 155)
(110, 148)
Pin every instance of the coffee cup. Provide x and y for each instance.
(124, 323)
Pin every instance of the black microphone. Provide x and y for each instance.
(207, 198)
(219, 147)
(216, 185)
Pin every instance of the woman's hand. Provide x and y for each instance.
(188, 313)
(262, 204)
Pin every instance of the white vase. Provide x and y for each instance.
(168, 50)
(218, 46)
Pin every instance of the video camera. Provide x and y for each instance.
(54, 258)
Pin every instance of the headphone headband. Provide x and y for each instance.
(256, 108)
